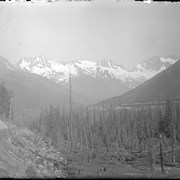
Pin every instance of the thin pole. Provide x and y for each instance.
(70, 105)
(161, 155)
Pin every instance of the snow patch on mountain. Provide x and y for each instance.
(152, 66)
(60, 71)
(167, 60)
(5, 63)
(86, 64)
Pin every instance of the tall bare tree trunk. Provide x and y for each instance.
(174, 117)
(70, 109)
(161, 154)
(10, 110)
(89, 130)
(152, 132)
(151, 155)
(105, 129)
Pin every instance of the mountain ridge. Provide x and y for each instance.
(105, 68)
(160, 87)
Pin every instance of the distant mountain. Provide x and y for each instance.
(158, 88)
(153, 66)
(100, 79)
(59, 72)
(5, 65)
(32, 92)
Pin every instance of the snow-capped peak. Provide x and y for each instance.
(106, 63)
(33, 61)
(152, 66)
(42, 66)
(60, 71)
(4, 63)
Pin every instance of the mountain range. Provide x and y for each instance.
(157, 89)
(101, 79)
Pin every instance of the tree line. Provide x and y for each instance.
(5, 102)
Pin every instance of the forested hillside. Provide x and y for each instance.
(5, 101)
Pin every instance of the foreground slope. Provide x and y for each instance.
(23, 154)
(160, 87)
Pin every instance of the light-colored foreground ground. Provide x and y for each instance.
(26, 155)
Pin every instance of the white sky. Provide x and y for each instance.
(126, 32)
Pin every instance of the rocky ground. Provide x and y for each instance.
(26, 155)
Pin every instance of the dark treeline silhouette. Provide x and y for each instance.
(5, 102)
(141, 129)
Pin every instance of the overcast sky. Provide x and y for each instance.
(126, 32)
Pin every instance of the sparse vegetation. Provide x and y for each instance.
(141, 131)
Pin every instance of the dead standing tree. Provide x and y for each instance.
(11, 106)
(173, 126)
(161, 154)
(150, 116)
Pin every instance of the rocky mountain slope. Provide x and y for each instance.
(24, 154)
(100, 79)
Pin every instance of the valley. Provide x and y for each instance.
(89, 89)
(108, 78)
